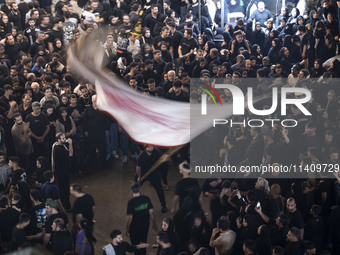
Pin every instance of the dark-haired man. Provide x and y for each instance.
(61, 241)
(139, 213)
(62, 150)
(19, 174)
(52, 214)
(184, 187)
(187, 45)
(83, 206)
(40, 127)
(151, 19)
(8, 219)
(118, 246)
(50, 190)
(145, 161)
(19, 240)
(223, 242)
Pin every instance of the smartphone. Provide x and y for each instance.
(258, 205)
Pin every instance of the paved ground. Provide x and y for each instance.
(111, 190)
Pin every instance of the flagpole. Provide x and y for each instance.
(200, 16)
(222, 14)
(161, 160)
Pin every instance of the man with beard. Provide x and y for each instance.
(22, 140)
(118, 246)
(61, 166)
(52, 214)
(12, 48)
(14, 16)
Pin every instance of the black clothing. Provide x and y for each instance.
(51, 218)
(50, 190)
(184, 188)
(175, 42)
(96, 137)
(18, 238)
(8, 219)
(83, 205)
(61, 242)
(139, 208)
(38, 219)
(122, 248)
(294, 248)
(62, 168)
(13, 52)
(188, 45)
(145, 162)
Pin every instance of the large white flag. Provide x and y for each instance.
(146, 119)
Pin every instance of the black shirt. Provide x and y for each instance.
(188, 45)
(295, 219)
(62, 241)
(83, 205)
(139, 208)
(18, 238)
(175, 42)
(13, 52)
(38, 218)
(184, 187)
(54, 34)
(159, 39)
(38, 123)
(8, 219)
(51, 218)
(145, 162)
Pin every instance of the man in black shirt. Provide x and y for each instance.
(294, 245)
(163, 37)
(158, 66)
(12, 49)
(294, 216)
(96, 133)
(8, 219)
(31, 33)
(52, 214)
(83, 206)
(61, 165)
(184, 187)
(55, 33)
(145, 161)
(14, 16)
(176, 37)
(139, 213)
(118, 246)
(151, 19)
(188, 45)
(40, 126)
(61, 240)
(18, 233)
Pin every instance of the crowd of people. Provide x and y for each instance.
(49, 124)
